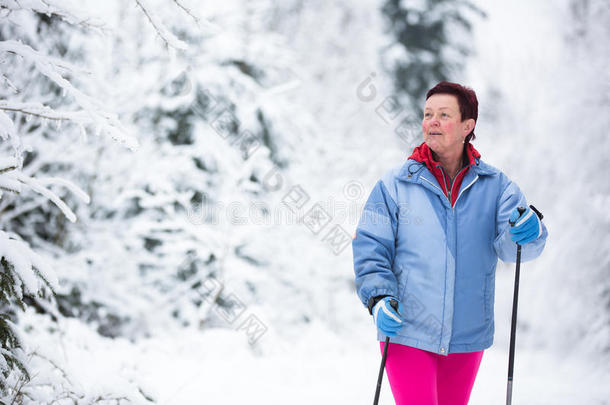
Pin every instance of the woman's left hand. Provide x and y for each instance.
(527, 226)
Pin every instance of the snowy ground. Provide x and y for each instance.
(219, 367)
(341, 374)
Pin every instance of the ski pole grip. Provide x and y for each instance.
(521, 211)
(540, 216)
(394, 304)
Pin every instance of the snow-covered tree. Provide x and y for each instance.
(431, 44)
(49, 102)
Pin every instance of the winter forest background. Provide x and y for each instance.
(180, 182)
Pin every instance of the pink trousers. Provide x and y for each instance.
(419, 377)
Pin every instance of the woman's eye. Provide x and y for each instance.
(444, 115)
(426, 115)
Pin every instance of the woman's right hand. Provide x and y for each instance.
(386, 314)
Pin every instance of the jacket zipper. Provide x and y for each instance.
(459, 195)
(450, 189)
(464, 189)
(452, 206)
(445, 180)
(436, 187)
(442, 324)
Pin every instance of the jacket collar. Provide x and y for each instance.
(423, 154)
(412, 169)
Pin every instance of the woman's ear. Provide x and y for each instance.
(469, 125)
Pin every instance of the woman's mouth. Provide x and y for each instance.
(434, 133)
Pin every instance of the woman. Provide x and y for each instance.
(430, 237)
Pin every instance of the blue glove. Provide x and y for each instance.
(387, 319)
(527, 226)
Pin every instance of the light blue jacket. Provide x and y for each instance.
(438, 260)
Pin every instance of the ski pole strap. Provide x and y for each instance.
(374, 300)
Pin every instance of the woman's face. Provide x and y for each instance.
(443, 129)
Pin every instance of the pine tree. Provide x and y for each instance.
(10, 358)
(427, 49)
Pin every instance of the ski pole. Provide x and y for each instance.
(513, 323)
(394, 305)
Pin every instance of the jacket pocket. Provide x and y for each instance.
(402, 281)
(489, 296)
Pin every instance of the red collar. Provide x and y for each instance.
(423, 154)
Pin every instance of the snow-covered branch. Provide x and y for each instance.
(11, 180)
(7, 128)
(24, 260)
(29, 53)
(166, 35)
(8, 164)
(7, 181)
(42, 111)
(187, 10)
(73, 15)
(92, 113)
(38, 186)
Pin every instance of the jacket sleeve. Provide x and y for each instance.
(373, 246)
(511, 198)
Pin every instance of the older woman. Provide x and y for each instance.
(430, 237)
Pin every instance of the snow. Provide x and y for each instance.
(319, 366)
(25, 262)
(143, 251)
(161, 29)
(91, 113)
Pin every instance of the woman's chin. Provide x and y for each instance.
(432, 143)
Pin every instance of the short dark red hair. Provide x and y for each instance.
(466, 97)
